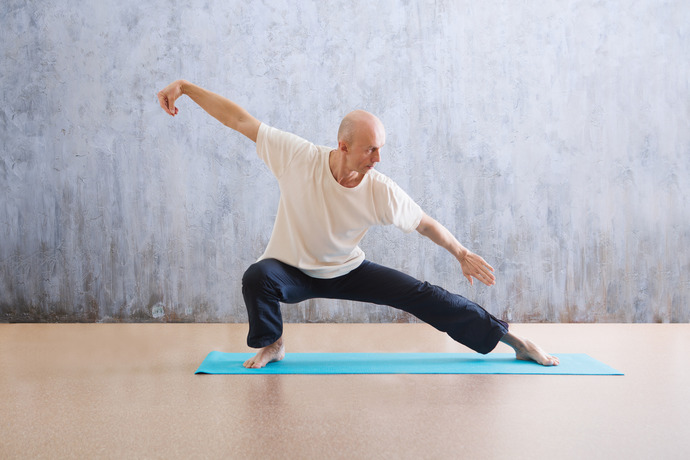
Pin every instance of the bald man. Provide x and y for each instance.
(329, 198)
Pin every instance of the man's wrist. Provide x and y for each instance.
(461, 253)
(184, 86)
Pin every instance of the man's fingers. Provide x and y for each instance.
(167, 104)
(486, 277)
(486, 271)
(485, 264)
(475, 266)
(162, 101)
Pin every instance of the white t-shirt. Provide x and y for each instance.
(319, 222)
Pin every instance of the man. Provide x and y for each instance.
(329, 199)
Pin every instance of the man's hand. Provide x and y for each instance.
(474, 266)
(168, 95)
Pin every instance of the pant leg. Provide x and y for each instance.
(269, 282)
(265, 285)
(463, 320)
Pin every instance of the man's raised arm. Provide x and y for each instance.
(472, 264)
(224, 110)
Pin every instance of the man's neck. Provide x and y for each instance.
(341, 173)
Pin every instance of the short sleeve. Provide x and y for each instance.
(278, 148)
(395, 207)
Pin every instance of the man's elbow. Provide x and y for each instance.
(247, 126)
(424, 225)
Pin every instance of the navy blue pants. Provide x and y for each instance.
(269, 282)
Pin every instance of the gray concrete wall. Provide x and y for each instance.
(553, 138)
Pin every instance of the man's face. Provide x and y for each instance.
(365, 149)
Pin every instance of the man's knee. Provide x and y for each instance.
(253, 275)
(259, 273)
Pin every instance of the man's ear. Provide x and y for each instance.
(342, 146)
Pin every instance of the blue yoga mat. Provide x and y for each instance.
(403, 363)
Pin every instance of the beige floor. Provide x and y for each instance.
(129, 391)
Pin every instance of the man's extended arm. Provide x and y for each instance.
(472, 264)
(224, 110)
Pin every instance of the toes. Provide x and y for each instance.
(253, 364)
(551, 361)
(258, 365)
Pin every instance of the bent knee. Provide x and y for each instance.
(259, 272)
(255, 273)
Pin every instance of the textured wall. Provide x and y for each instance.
(551, 137)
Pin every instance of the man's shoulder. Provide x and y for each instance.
(272, 141)
(381, 185)
(281, 150)
(270, 132)
(378, 179)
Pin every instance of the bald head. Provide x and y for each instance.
(358, 121)
(360, 139)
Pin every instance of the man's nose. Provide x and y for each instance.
(376, 158)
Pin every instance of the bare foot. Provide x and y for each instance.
(529, 351)
(273, 352)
